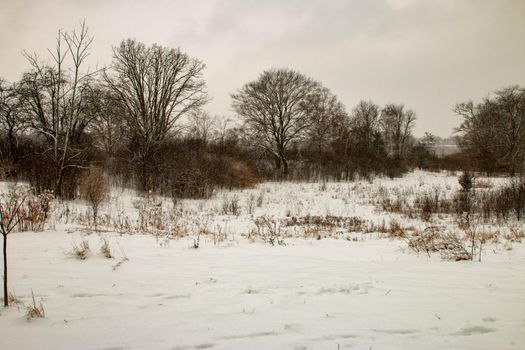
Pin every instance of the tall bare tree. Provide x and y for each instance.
(509, 106)
(366, 122)
(367, 146)
(276, 111)
(156, 85)
(53, 100)
(397, 124)
(326, 115)
(493, 131)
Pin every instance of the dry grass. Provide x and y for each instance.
(14, 300)
(515, 235)
(81, 250)
(35, 213)
(482, 183)
(489, 236)
(395, 230)
(269, 230)
(35, 310)
(231, 206)
(105, 249)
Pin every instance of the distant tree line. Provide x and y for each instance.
(142, 121)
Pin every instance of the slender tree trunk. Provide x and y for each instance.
(58, 185)
(6, 297)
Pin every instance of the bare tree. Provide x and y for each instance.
(424, 149)
(493, 131)
(52, 98)
(326, 113)
(156, 86)
(276, 111)
(366, 122)
(202, 125)
(367, 146)
(12, 122)
(509, 106)
(10, 205)
(397, 124)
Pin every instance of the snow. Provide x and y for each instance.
(370, 293)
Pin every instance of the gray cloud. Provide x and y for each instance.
(425, 54)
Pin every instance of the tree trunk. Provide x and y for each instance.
(58, 185)
(277, 164)
(143, 171)
(6, 297)
(13, 149)
(285, 166)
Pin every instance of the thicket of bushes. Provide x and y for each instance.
(186, 168)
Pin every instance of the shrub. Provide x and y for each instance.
(250, 203)
(395, 230)
(185, 168)
(463, 202)
(269, 230)
(238, 175)
(94, 187)
(432, 239)
(466, 181)
(504, 201)
(39, 169)
(35, 213)
(430, 203)
(231, 206)
(515, 190)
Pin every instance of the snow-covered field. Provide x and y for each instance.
(313, 288)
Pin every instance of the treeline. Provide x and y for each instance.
(142, 121)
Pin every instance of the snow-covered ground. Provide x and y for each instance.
(368, 292)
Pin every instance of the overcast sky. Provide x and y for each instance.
(427, 55)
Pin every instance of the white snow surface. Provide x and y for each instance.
(371, 293)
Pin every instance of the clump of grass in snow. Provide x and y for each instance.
(81, 250)
(105, 249)
(14, 300)
(395, 230)
(35, 310)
